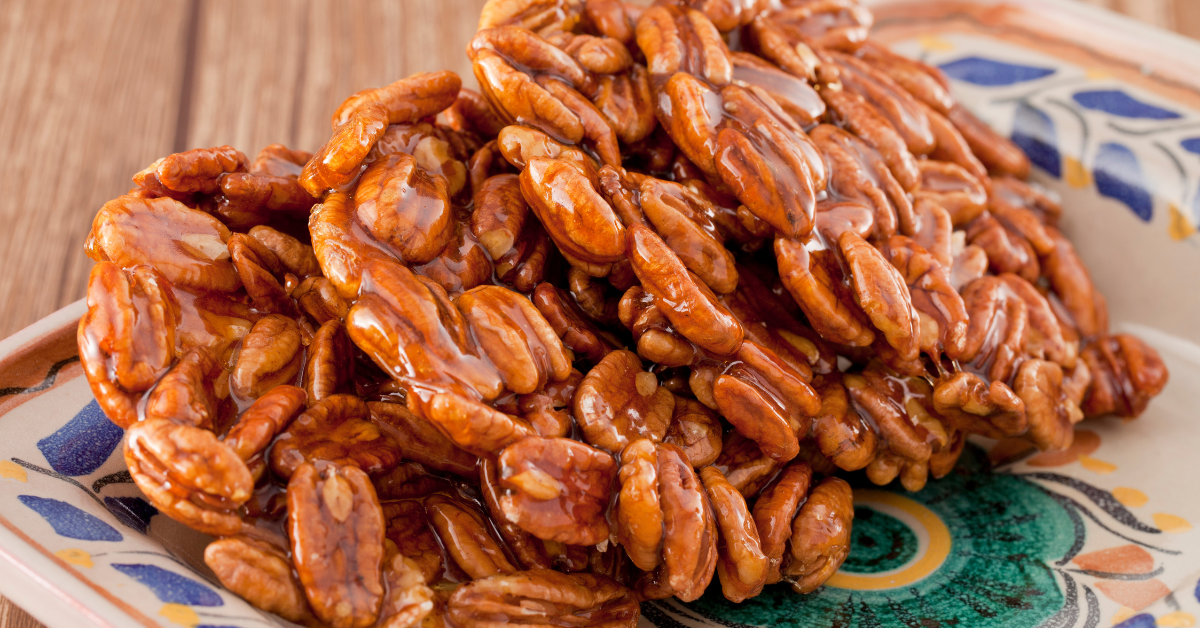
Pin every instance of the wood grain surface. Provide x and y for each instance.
(91, 92)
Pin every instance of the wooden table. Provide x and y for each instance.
(93, 91)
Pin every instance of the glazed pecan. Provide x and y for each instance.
(338, 430)
(618, 402)
(336, 528)
(745, 465)
(260, 572)
(696, 431)
(1072, 284)
(742, 566)
(774, 511)
(794, 95)
(996, 334)
(528, 550)
(520, 144)
(187, 393)
(998, 153)
(438, 150)
(954, 188)
(188, 474)
(857, 172)
(337, 164)
(541, 597)
(464, 534)
(578, 333)
(280, 161)
(941, 313)
(270, 414)
(329, 367)
(499, 214)
(972, 405)
(186, 245)
(196, 171)
(471, 113)
(473, 426)
(868, 124)
(127, 337)
(766, 400)
(881, 292)
(540, 16)
(408, 528)
(1051, 413)
(899, 107)
(676, 39)
(580, 221)
(408, 601)
(683, 219)
(270, 355)
(406, 100)
(820, 539)
(558, 489)
(405, 207)
(1126, 374)
(842, 435)
(516, 337)
(815, 281)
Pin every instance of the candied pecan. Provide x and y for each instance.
(794, 95)
(461, 266)
(992, 410)
(925, 82)
(408, 528)
(858, 172)
(405, 207)
(540, 16)
(412, 330)
(766, 400)
(773, 513)
(935, 232)
(579, 220)
(186, 245)
(689, 545)
(477, 428)
(464, 533)
(338, 430)
(599, 55)
(499, 213)
(881, 292)
(782, 45)
(954, 188)
(998, 153)
(815, 281)
(611, 18)
(626, 103)
(841, 433)
(638, 515)
(524, 266)
(942, 315)
(409, 480)
(338, 163)
(745, 465)
(678, 39)
(681, 217)
(1072, 284)
(261, 573)
(188, 474)
(820, 538)
(330, 362)
(294, 256)
(336, 526)
(194, 171)
(557, 489)
(516, 337)
(280, 161)
(436, 149)
(269, 415)
(257, 266)
(270, 355)
(127, 337)
(186, 394)
(868, 124)
(970, 263)
(696, 431)
(618, 402)
(895, 104)
(408, 600)
(1051, 413)
(999, 320)
(471, 113)
(528, 550)
(836, 24)
(1126, 374)
(688, 110)
(1044, 336)
(742, 566)
(340, 247)
(1013, 192)
(687, 303)
(520, 145)
(591, 296)
(318, 298)
(407, 100)
(248, 198)
(541, 597)
(577, 332)
(951, 146)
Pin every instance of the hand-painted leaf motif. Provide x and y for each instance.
(992, 73)
(171, 587)
(1118, 103)
(1035, 133)
(1191, 145)
(69, 521)
(83, 444)
(134, 512)
(1119, 175)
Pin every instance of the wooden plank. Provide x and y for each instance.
(11, 616)
(88, 96)
(1187, 17)
(356, 44)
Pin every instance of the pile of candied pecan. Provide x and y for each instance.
(586, 339)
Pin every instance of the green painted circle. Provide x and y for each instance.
(878, 542)
(1004, 531)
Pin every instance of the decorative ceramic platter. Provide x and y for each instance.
(1100, 535)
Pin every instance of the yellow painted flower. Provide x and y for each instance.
(75, 557)
(1130, 497)
(1171, 523)
(180, 614)
(1179, 228)
(1076, 174)
(1097, 466)
(1178, 619)
(12, 471)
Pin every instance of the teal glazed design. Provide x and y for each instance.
(881, 542)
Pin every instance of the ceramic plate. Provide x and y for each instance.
(1099, 535)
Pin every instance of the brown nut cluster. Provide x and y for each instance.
(599, 334)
